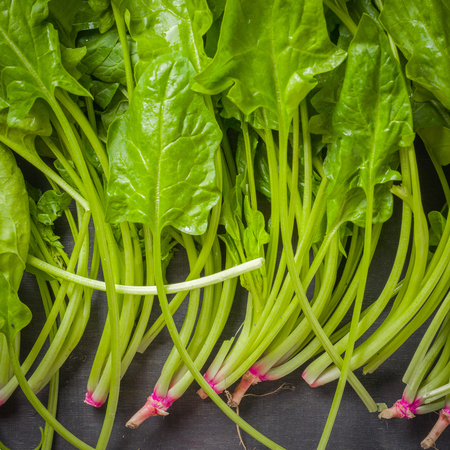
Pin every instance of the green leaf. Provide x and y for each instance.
(430, 114)
(437, 225)
(231, 247)
(14, 315)
(86, 19)
(231, 212)
(217, 7)
(14, 219)
(262, 173)
(241, 159)
(432, 123)
(372, 119)
(70, 58)
(99, 5)
(116, 108)
(30, 65)
(255, 234)
(437, 141)
(3, 104)
(167, 26)
(112, 69)
(103, 93)
(98, 47)
(420, 29)
(324, 102)
(107, 21)
(45, 209)
(268, 55)
(23, 134)
(51, 205)
(63, 15)
(212, 37)
(162, 152)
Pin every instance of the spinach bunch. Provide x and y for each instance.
(166, 126)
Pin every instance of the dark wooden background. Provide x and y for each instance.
(292, 418)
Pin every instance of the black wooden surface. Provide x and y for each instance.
(292, 418)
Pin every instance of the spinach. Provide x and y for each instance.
(164, 120)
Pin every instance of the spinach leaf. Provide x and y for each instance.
(420, 29)
(14, 315)
(98, 47)
(29, 71)
(117, 106)
(432, 123)
(372, 119)
(63, 15)
(51, 205)
(268, 56)
(71, 58)
(112, 68)
(103, 93)
(86, 19)
(163, 26)
(14, 219)
(99, 5)
(437, 141)
(217, 7)
(162, 152)
(23, 134)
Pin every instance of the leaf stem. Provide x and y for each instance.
(299, 290)
(185, 356)
(365, 263)
(120, 24)
(185, 286)
(39, 407)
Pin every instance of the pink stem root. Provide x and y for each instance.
(90, 400)
(154, 406)
(401, 409)
(442, 423)
(202, 393)
(248, 379)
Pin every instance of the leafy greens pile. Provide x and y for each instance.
(181, 125)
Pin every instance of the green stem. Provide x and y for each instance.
(272, 249)
(346, 19)
(307, 163)
(299, 290)
(354, 323)
(120, 24)
(250, 172)
(164, 381)
(37, 162)
(294, 175)
(146, 306)
(227, 152)
(84, 124)
(91, 113)
(99, 221)
(174, 288)
(226, 301)
(39, 407)
(185, 356)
